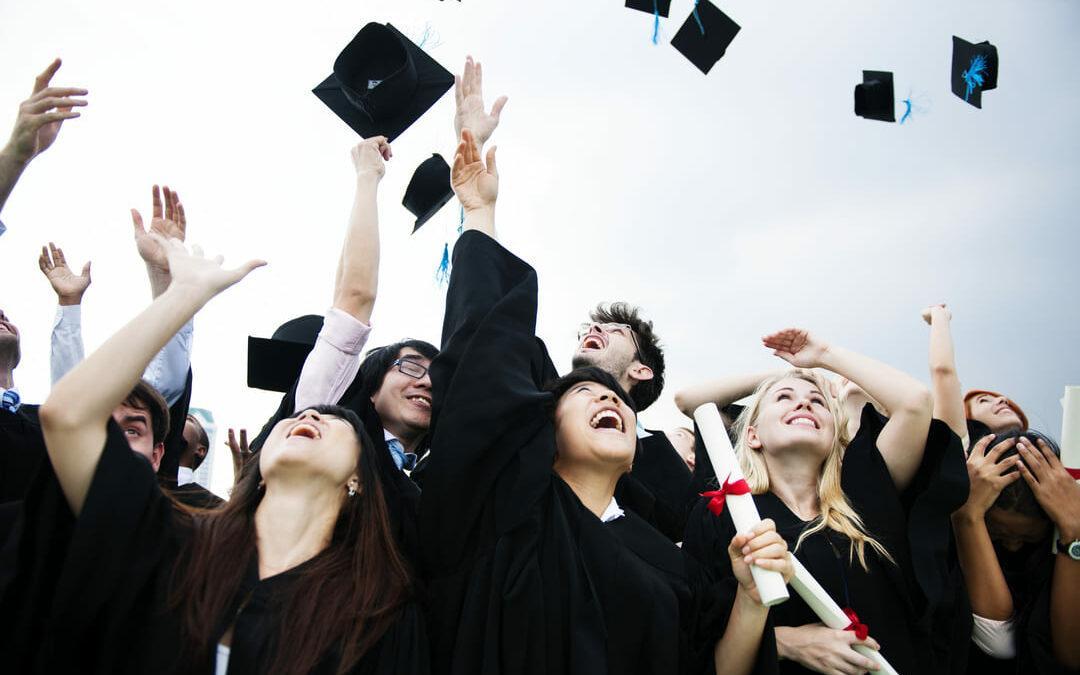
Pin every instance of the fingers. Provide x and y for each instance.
(170, 208)
(46, 76)
(458, 96)
(244, 270)
(86, 271)
(43, 261)
(1032, 458)
(182, 219)
(979, 450)
(58, 255)
(496, 109)
(35, 122)
(1000, 448)
(491, 161)
(49, 102)
(1052, 460)
(243, 440)
(156, 197)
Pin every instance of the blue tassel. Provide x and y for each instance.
(697, 18)
(973, 76)
(656, 21)
(461, 221)
(442, 275)
(907, 111)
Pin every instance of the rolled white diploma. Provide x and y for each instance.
(1070, 428)
(829, 612)
(744, 513)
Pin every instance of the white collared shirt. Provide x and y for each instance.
(612, 512)
(333, 362)
(184, 476)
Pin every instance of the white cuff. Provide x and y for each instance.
(995, 638)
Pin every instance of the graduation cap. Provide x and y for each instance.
(661, 7)
(275, 364)
(874, 98)
(383, 82)
(705, 35)
(429, 189)
(974, 69)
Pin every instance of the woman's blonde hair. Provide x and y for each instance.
(837, 512)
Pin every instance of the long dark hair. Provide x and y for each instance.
(343, 600)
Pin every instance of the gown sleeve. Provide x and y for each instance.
(488, 402)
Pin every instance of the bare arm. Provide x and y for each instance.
(357, 280)
(945, 383)
(36, 127)
(903, 440)
(722, 391)
(476, 185)
(73, 422)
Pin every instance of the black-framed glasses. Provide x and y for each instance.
(410, 368)
(623, 329)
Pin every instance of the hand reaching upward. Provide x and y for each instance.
(476, 185)
(41, 115)
(469, 93)
(192, 271)
(168, 223)
(796, 346)
(69, 286)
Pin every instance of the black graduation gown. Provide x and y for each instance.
(91, 593)
(897, 601)
(1029, 574)
(196, 496)
(521, 577)
(659, 488)
(174, 439)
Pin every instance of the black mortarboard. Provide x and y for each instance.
(382, 82)
(874, 98)
(705, 35)
(661, 7)
(428, 190)
(275, 364)
(974, 69)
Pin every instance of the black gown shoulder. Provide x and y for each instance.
(522, 578)
(92, 594)
(659, 487)
(894, 599)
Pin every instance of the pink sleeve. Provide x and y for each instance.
(334, 361)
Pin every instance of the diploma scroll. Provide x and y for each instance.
(830, 613)
(1070, 430)
(744, 513)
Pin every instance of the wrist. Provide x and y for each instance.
(368, 179)
(969, 517)
(12, 158)
(68, 300)
(746, 605)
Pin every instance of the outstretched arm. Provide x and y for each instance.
(722, 392)
(67, 342)
(73, 421)
(948, 400)
(476, 185)
(903, 440)
(37, 126)
(356, 283)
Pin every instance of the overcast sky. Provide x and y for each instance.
(727, 205)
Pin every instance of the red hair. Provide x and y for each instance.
(1008, 401)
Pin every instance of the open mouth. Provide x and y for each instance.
(420, 401)
(593, 342)
(304, 430)
(607, 419)
(803, 421)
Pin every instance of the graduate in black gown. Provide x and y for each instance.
(869, 518)
(531, 564)
(1024, 591)
(300, 572)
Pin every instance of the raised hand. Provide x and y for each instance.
(69, 286)
(1057, 492)
(239, 450)
(936, 312)
(469, 93)
(824, 650)
(763, 547)
(476, 185)
(370, 157)
(169, 222)
(192, 271)
(41, 115)
(987, 474)
(796, 346)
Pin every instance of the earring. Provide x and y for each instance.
(352, 490)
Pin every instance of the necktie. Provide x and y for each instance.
(10, 401)
(403, 460)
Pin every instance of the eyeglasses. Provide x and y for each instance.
(623, 329)
(410, 368)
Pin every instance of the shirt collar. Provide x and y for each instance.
(641, 432)
(612, 512)
(184, 476)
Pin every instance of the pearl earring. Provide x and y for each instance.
(352, 491)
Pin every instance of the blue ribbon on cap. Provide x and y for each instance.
(697, 18)
(973, 76)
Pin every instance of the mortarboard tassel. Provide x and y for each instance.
(442, 275)
(973, 76)
(697, 18)
(656, 21)
(907, 110)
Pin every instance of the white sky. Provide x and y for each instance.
(727, 205)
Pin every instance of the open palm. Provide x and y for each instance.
(167, 221)
(469, 93)
(796, 346)
(65, 283)
(476, 185)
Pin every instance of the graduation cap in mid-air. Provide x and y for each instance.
(429, 189)
(661, 7)
(974, 69)
(874, 98)
(382, 82)
(275, 364)
(705, 35)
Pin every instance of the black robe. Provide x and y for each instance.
(522, 578)
(1029, 573)
(196, 496)
(91, 594)
(660, 487)
(899, 602)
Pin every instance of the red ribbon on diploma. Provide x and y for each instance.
(1075, 473)
(718, 497)
(861, 630)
